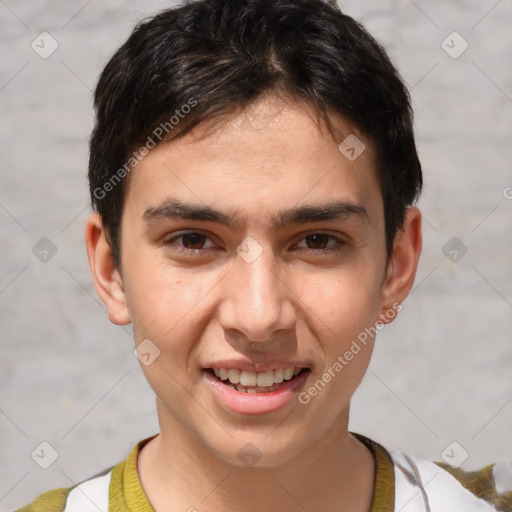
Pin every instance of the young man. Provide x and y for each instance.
(253, 172)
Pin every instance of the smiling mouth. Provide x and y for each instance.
(245, 381)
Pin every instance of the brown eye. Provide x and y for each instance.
(318, 243)
(317, 240)
(193, 240)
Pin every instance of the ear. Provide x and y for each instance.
(403, 264)
(107, 280)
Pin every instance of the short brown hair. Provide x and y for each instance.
(208, 59)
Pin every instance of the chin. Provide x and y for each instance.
(257, 451)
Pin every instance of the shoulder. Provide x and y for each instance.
(94, 490)
(102, 492)
(54, 500)
(437, 486)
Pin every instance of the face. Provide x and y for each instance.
(253, 259)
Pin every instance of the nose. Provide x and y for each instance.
(257, 302)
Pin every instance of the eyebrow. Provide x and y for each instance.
(177, 209)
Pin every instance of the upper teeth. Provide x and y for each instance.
(249, 378)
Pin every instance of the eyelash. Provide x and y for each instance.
(340, 244)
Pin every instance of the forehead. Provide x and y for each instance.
(270, 156)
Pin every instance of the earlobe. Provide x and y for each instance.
(107, 280)
(404, 262)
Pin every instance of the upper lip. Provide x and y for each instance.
(245, 364)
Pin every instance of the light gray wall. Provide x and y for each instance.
(440, 373)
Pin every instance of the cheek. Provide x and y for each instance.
(166, 310)
(166, 303)
(159, 296)
(346, 306)
(345, 301)
(172, 312)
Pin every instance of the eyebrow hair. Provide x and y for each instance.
(337, 210)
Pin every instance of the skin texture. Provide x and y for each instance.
(292, 303)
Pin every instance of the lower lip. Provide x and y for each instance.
(256, 403)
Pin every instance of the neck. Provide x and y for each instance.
(335, 473)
